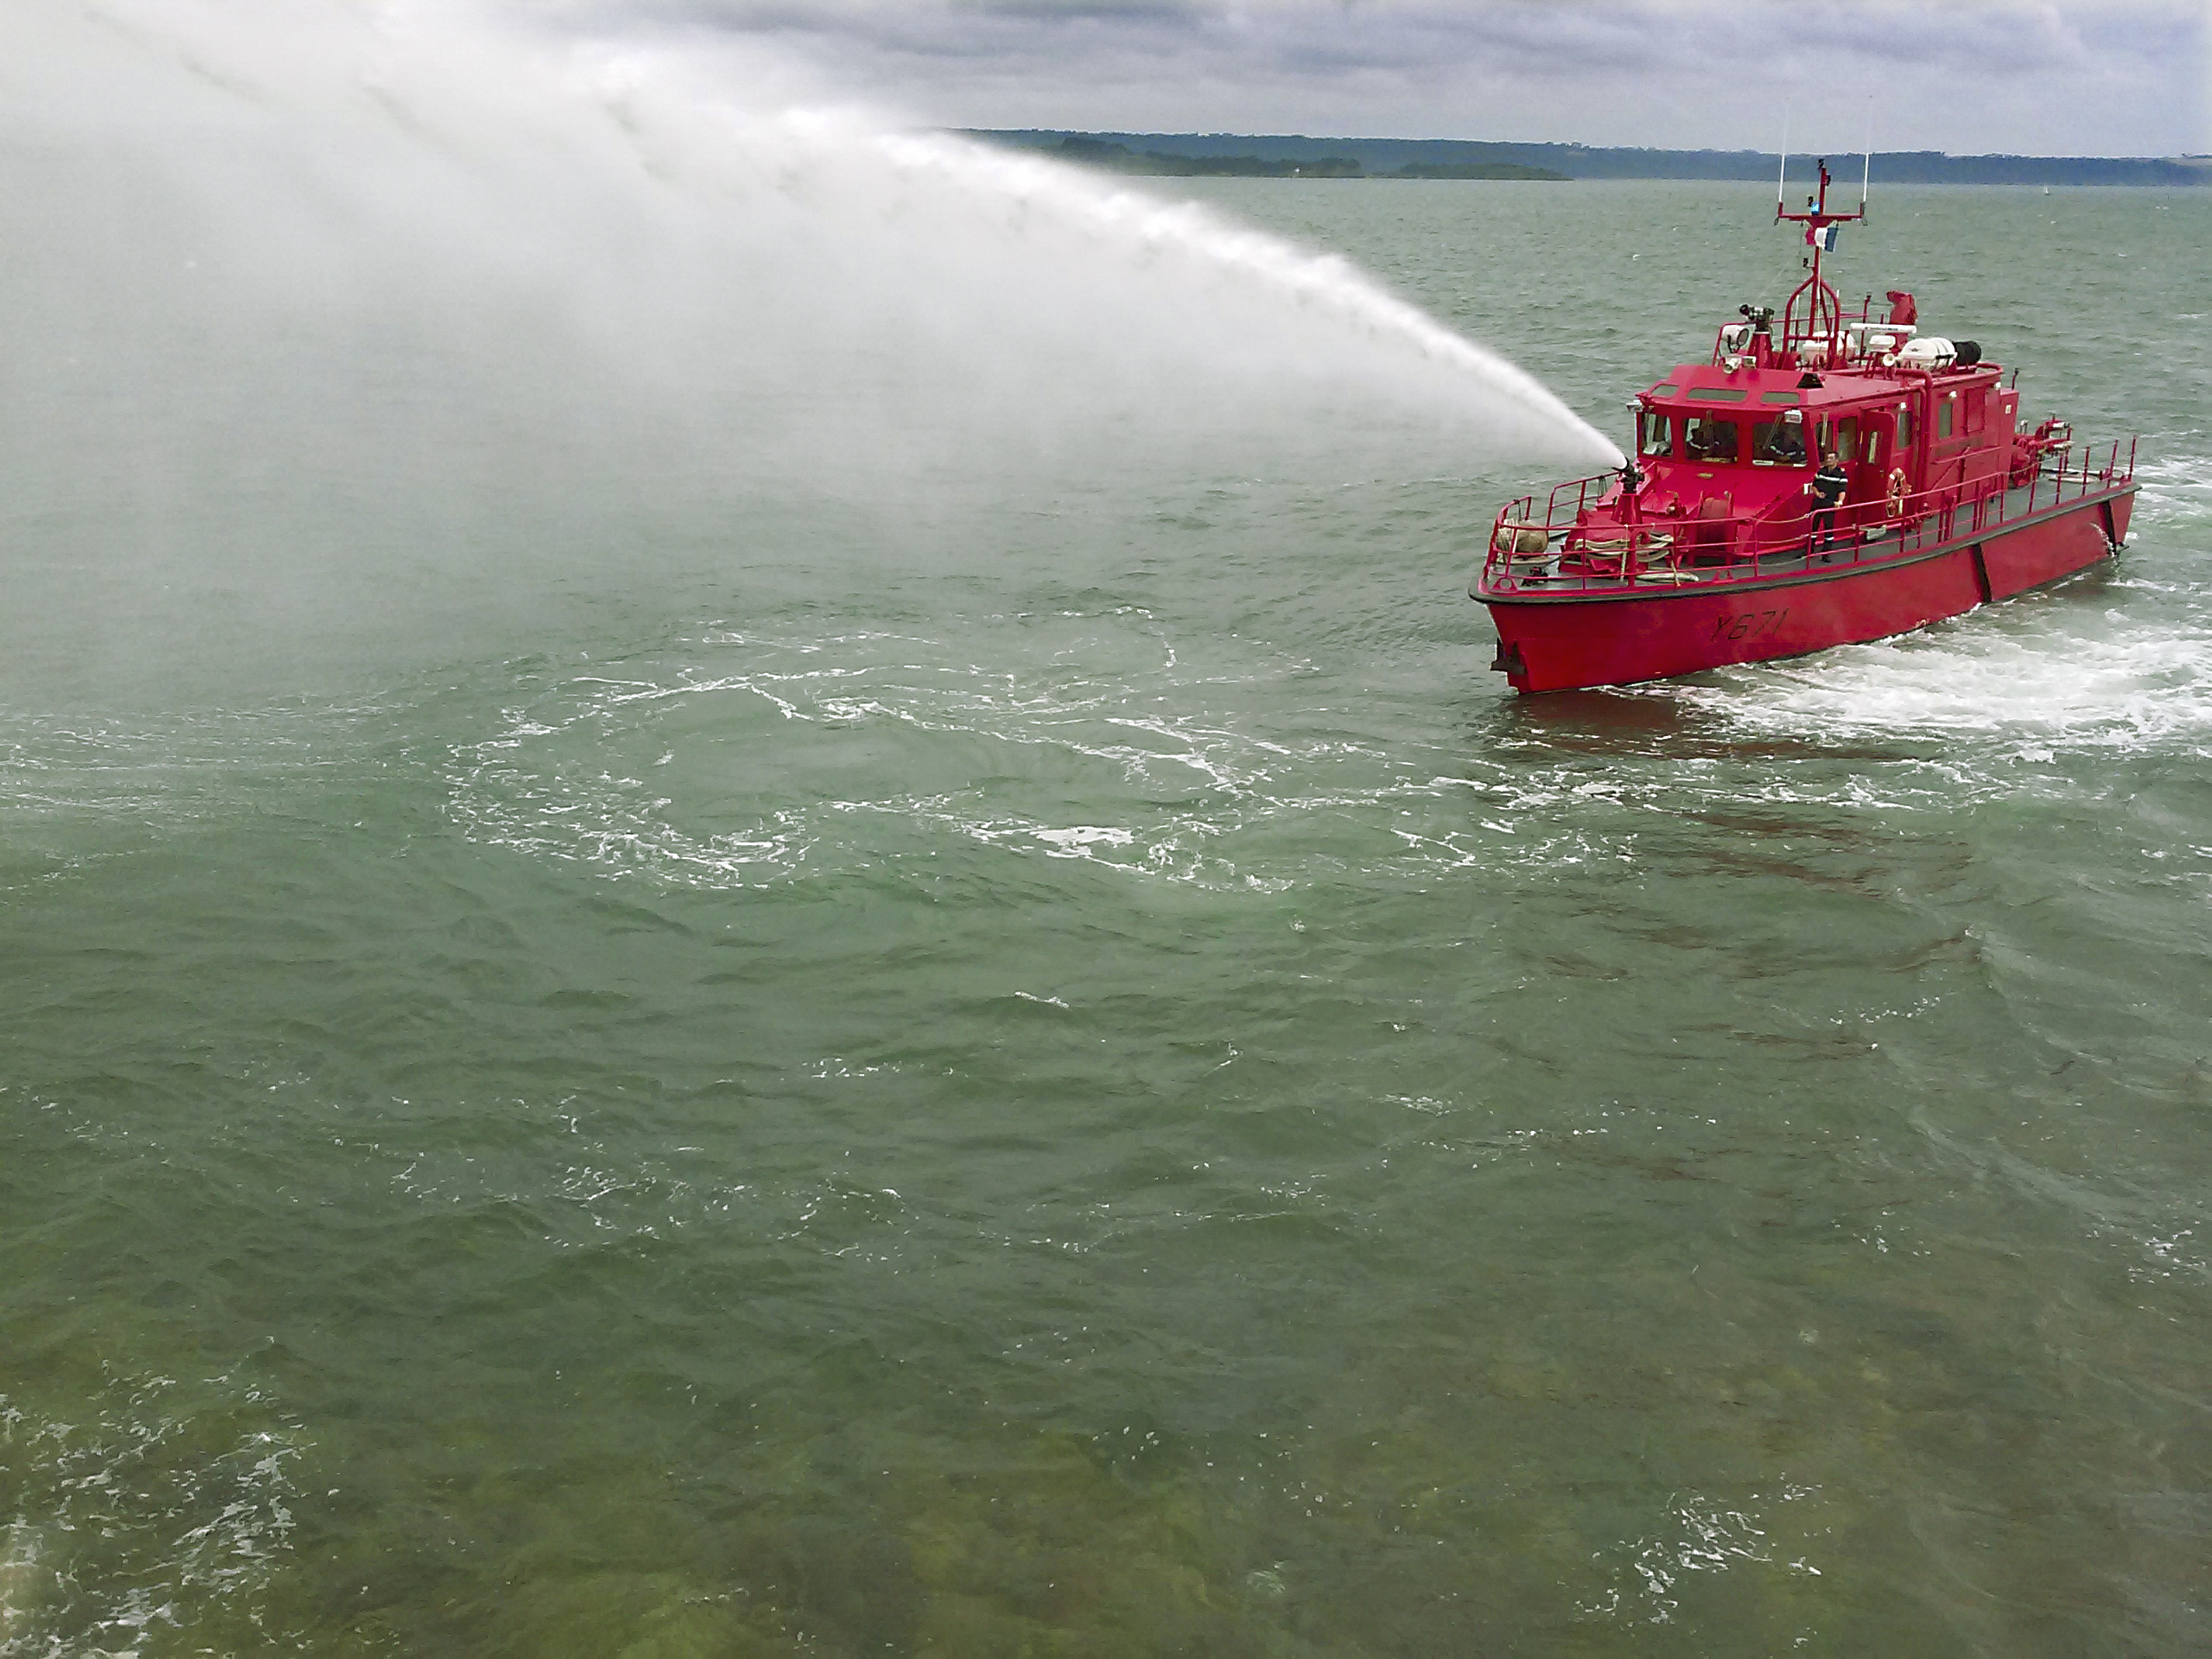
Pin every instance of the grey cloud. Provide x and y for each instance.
(2110, 76)
(1112, 9)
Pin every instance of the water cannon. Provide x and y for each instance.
(1761, 317)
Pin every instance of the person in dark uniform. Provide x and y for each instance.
(1785, 445)
(1828, 487)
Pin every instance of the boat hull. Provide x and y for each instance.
(1566, 641)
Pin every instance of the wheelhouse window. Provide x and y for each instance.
(1946, 412)
(1709, 438)
(1778, 444)
(1655, 434)
(1846, 438)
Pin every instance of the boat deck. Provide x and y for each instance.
(1583, 557)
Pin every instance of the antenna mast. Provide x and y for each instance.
(1823, 319)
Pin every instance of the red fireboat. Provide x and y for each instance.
(1840, 480)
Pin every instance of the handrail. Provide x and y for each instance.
(1571, 550)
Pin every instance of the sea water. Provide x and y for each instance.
(958, 1019)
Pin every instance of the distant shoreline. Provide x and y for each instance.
(1217, 155)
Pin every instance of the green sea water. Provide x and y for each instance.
(1017, 1049)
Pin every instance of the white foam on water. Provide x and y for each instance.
(675, 773)
(75, 788)
(2032, 688)
(747, 759)
(1700, 1535)
(131, 1511)
(20, 1576)
(2069, 671)
(2175, 493)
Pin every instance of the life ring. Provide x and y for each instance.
(1897, 492)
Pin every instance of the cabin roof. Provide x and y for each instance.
(1707, 388)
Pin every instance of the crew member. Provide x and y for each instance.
(1828, 487)
(1785, 445)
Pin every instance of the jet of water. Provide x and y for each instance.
(1325, 286)
(311, 293)
(497, 151)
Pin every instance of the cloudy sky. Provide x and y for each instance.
(2074, 77)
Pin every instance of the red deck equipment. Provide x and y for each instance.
(1831, 479)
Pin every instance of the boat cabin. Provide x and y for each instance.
(1742, 436)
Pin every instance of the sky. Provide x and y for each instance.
(2065, 77)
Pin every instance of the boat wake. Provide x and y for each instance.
(2107, 686)
(2075, 669)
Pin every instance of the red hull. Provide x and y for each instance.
(1560, 642)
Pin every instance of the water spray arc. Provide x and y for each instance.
(439, 297)
(1327, 285)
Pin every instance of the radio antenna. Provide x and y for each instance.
(1782, 171)
(1867, 173)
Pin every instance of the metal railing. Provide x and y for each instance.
(1571, 549)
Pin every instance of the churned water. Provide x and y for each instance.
(940, 1010)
